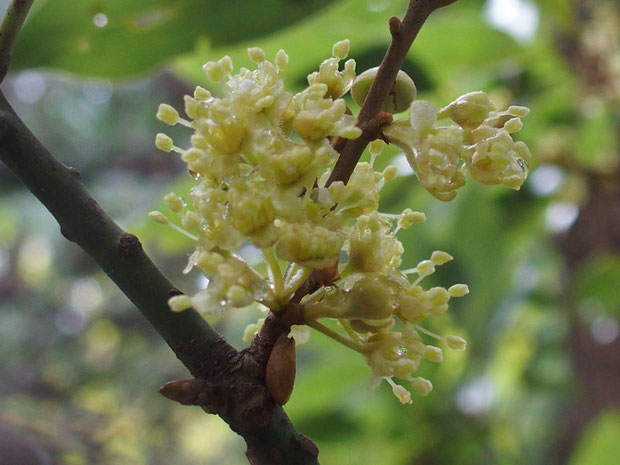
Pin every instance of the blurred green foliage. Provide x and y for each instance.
(79, 368)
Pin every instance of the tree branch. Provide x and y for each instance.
(243, 400)
(9, 29)
(403, 34)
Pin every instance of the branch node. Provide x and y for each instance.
(373, 126)
(129, 245)
(75, 173)
(174, 291)
(183, 391)
(308, 445)
(9, 29)
(395, 26)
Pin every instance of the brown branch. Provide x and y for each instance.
(9, 29)
(403, 34)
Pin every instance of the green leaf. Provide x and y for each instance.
(599, 444)
(120, 38)
(309, 42)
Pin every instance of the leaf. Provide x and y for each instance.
(364, 23)
(121, 38)
(600, 443)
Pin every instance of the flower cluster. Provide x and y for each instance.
(261, 157)
(479, 144)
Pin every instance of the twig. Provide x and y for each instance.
(9, 29)
(403, 33)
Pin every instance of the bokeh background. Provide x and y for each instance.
(540, 382)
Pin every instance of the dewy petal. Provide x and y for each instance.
(423, 116)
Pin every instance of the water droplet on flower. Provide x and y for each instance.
(401, 351)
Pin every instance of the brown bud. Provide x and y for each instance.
(280, 374)
(183, 391)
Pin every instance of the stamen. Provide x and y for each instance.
(429, 333)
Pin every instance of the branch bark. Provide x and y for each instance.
(9, 30)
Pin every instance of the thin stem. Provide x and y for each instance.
(270, 302)
(274, 271)
(429, 333)
(347, 327)
(183, 231)
(403, 34)
(9, 29)
(356, 346)
(298, 275)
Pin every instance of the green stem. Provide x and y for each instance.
(9, 30)
(356, 346)
(298, 275)
(347, 327)
(274, 271)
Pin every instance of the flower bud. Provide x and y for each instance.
(257, 55)
(178, 303)
(423, 116)
(401, 95)
(390, 173)
(158, 217)
(227, 64)
(469, 110)
(422, 386)
(513, 125)
(340, 50)
(433, 354)
(402, 394)
(214, 70)
(370, 298)
(376, 147)
(456, 343)
(167, 114)
(425, 268)
(515, 110)
(201, 93)
(163, 142)
(439, 257)
(174, 202)
(281, 60)
(191, 221)
(458, 290)
(409, 218)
